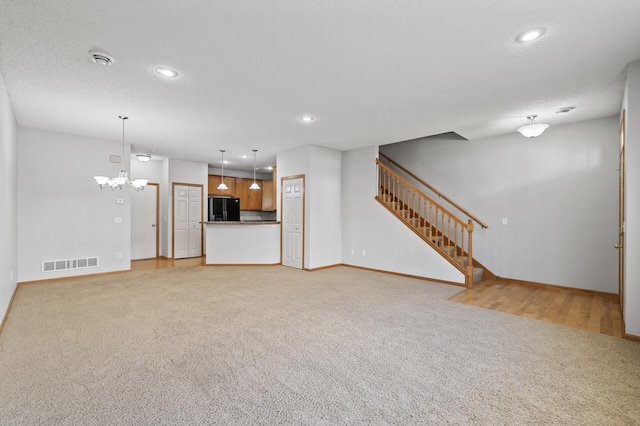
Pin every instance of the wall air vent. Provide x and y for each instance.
(62, 265)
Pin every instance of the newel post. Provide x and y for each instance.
(470, 254)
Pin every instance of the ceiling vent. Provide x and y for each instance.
(100, 58)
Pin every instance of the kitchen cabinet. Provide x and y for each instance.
(214, 181)
(267, 196)
(250, 199)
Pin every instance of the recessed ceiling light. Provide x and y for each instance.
(244, 156)
(530, 35)
(167, 72)
(565, 110)
(306, 118)
(269, 168)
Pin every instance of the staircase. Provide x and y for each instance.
(443, 231)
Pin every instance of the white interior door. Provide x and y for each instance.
(195, 221)
(144, 228)
(180, 222)
(293, 222)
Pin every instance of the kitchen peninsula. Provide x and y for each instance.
(242, 243)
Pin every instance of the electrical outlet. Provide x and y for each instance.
(364, 252)
(117, 219)
(119, 255)
(353, 251)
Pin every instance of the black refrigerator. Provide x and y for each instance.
(224, 209)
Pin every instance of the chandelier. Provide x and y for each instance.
(123, 177)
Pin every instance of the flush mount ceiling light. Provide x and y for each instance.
(167, 72)
(100, 58)
(254, 185)
(565, 110)
(144, 157)
(306, 119)
(123, 176)
(532, 129)
(530, 35)
(222, 185)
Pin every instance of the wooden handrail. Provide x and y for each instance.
(436, 225)
(416, 189)
(440, 194)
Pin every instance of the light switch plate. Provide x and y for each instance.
(120, 201)
(505, 221)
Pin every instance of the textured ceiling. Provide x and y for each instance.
(370, 72)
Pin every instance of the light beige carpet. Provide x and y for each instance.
(272, 345)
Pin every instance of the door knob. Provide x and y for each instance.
(153, 225)
(618, 246)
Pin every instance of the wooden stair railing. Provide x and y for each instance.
(446, 233)
(434, 190)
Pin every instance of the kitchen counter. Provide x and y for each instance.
(245, 222)
(242, 243)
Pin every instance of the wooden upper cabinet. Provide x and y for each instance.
(250, 199)
(215, 180)
(267, 196)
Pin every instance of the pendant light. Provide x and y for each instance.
(254, 185)
(222, 185)
(123, 176)
(532, 129)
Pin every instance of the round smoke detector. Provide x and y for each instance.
(100, 58)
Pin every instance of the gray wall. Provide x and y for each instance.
(388, 244)
(323, 213)
(62, 213)
(632, 202)
(558, 193)
(9, 200)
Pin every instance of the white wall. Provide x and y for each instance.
(238, 173)
(62, 213)
(325, 207)
(632, 201)
(295, 162)
(366, 225)
(322, 170)
(558, 193)
(9, 200)
(180, 171)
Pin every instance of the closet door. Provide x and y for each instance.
(187, 221)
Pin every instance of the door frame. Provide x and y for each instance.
(173, 216)
(157, 218)
(157, 186)
(304, 196)
(621, 216)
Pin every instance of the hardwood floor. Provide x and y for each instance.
(586, 311)
(162, 262)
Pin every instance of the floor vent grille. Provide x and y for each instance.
(62, 265)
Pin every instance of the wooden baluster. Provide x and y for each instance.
(470, 254)
(455, 241)
(448, 234)
(380, 191)
(424, 216)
